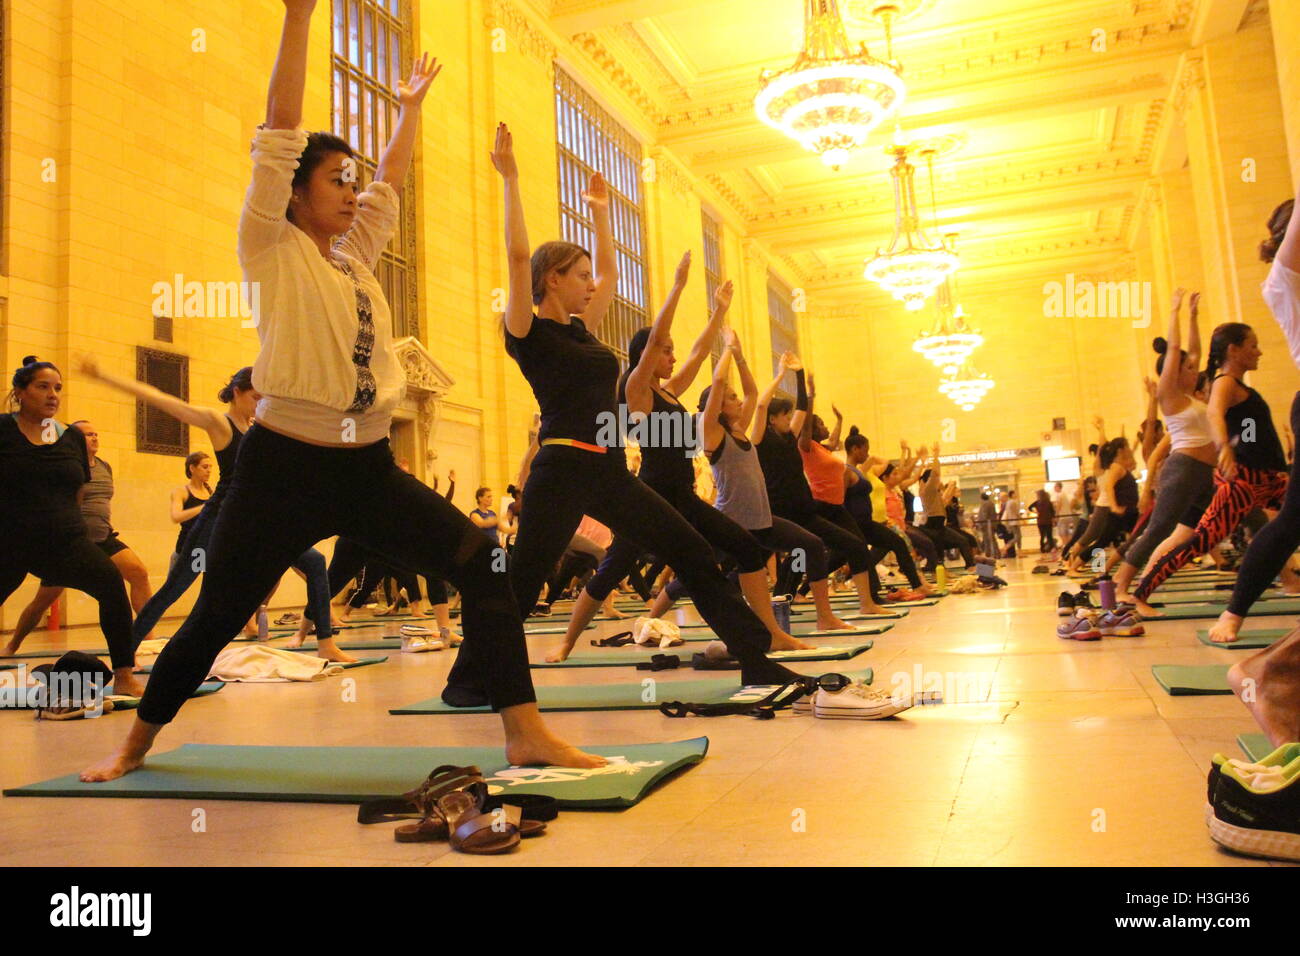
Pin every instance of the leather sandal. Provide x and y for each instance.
(412, 804)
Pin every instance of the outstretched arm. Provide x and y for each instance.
(401, 145)
(711, 425)
(638, 388)
(289, 77)
(834, 441)
(747, 384)
(211, 421)
(685, 375)
(804, 429)
(519, 303)
(1167, 388)
(765, 399)
(606, 264)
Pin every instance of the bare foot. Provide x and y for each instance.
(110, 768)
(561, 653)
(128, 686)
(1268, 687)
(548, 751)
(781, 641)
(1146, 610)
(1123, 597)
(12, 647)
(330, 651)
(1225, 629)
(834, 624)
(297, 640)
(1290, 579)
(872, 608)
(614, 614)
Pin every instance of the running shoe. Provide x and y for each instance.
(858, 701)
(1078, 628)
(1279, 761)
(1257, 813)
(1120, 622)
(414, 644)
(1065, 604)
(1081, 600)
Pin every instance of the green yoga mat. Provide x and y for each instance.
(393, 643)
(1188, 612)
(9, 667)
(1181, 681)
(363, 662)
(557, 629)
(353, 774)
(701, 636)
(620, 657)
(716, 690)
(804, 618)
(1255, 746)
(1246, 640)
(1211, 597)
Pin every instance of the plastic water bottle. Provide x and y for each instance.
(781, 611)
(263, 630)
(1106, 591)
(941, 577)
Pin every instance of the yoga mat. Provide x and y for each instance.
(804, 618)
(716, 690)
(353, 774)
(1188, 612)
(693, 637)
(9, 667)
(1246, 640)
(363, 662)
(1211, 597)
(1255, 746)
(1181, 681)
(622, 657)
(552, 630)
(393, 643)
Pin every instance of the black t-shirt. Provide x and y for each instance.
(39, 483)
(572, 376)
(787, 487)
(665, 465)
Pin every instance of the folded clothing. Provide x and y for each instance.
(258, 664)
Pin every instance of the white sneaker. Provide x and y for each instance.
(412, 644)
(858, 701)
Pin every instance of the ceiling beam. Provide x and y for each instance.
(587, 16)
(1217, 18)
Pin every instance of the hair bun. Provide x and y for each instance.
(1160, 345)
(29, 360)
(853, 430)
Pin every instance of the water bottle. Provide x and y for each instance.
(941, 578)
(263, 631)
(781, 611)
(1106, 591)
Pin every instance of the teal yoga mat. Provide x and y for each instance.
(1188, 612)
(1255, 746)
(363, 662)
(716, 690)
(353, 774)
(1246, 640)
(622, 657)
(1181, 681)
(1202, 596)
(700, 636)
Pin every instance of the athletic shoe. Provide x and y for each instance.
(415, 630)
(1279, 761)
(1120, 623)
(1257, 814)
(1040, 569)
(1059, 572)
(858, 701)
(413, 644)
(1079, 628)
(1065, 604)
(1082, 600)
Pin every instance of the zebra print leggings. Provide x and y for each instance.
(1251, 488)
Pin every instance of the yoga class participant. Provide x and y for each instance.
(865, 500)
(1251, 470)
(484, 518)
(96, 508)
(328, 372)
(226, 432)
(1273, 547)
(1187, 474)
(188, 501)
(574, 377)
(44, 466)
(1117, 499)
(934, 503)
(776, 424)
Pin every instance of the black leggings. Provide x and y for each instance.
(353, 560)
(565, 483)
(945, 537)
(1274, 544)
(574, 564)
(885, 540)
(803, 547)
(73, 561)
(1046, 540)
(362, 494)
(925, 548)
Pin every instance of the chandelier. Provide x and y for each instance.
(950, 340)
(912, 266)
(832, 96)
(966, 387)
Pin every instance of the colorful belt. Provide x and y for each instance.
(573, 442)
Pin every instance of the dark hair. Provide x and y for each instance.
(556, 256)
(1201, 379)
(241, 380)
(1162, 347)
(25, 374)
(888, 470)
(779, 406)
(479, 494)
(1110, 451)
(512, 491)
(193, 459)
(1229, 333)
(636, 346)
(319, 145)
(1092, 449)
(855, 440)
(1277, 224)
(984, 496)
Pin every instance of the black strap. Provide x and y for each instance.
(764, 709)
(661, 662)
(613, 640)
(702, 662)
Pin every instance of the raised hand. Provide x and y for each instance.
(836, 411)
(596, 194)
(683, 269)
(410, 92)
(1195, 303)
(451, 474)
(722, 297)
(791, 362)
(730, 340)
(812, 387)
(88, 367)
(1177, 301)
(1150, 385)
(503, 153)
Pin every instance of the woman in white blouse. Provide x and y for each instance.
(330, 378)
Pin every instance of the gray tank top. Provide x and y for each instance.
(96, 506)
(742, 490)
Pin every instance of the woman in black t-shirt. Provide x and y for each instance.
(43, 467)
(581, 467)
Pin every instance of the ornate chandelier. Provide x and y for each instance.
(912, 266)
(950, 340)
(966, 387)
(832, 96)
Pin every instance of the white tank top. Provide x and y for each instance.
(1189, 428)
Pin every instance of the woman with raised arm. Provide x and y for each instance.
(581, 466)
(44, 470)
(934, 501)
(649, 390)
(329, 379)
(1187, 474)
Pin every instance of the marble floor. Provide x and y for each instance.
(1047, 752)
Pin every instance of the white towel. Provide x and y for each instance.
(254, 663)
